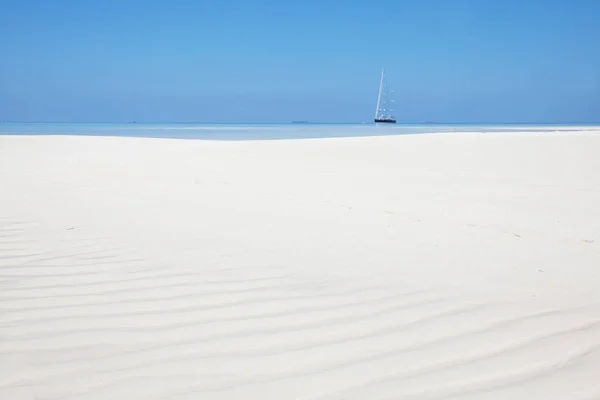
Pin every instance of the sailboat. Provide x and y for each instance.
(384, 111)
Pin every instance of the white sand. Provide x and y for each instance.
(451, 266)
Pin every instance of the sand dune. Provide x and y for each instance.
(450, 266)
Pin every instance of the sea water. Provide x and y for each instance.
(260, 131)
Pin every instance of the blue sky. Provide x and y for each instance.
(478, 61)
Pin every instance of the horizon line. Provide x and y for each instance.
(302, 122)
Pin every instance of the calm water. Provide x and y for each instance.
(256, 131)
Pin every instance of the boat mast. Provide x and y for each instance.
(379, 95)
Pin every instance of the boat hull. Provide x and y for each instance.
(385, 121)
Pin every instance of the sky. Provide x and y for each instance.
(237, 61)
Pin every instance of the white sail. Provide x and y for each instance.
(379, 94)
(384, 111)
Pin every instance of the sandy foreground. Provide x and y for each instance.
(450, 266)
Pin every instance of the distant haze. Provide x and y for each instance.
(276, 61)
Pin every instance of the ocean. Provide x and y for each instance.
(261, 131)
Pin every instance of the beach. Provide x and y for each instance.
(459, 265)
